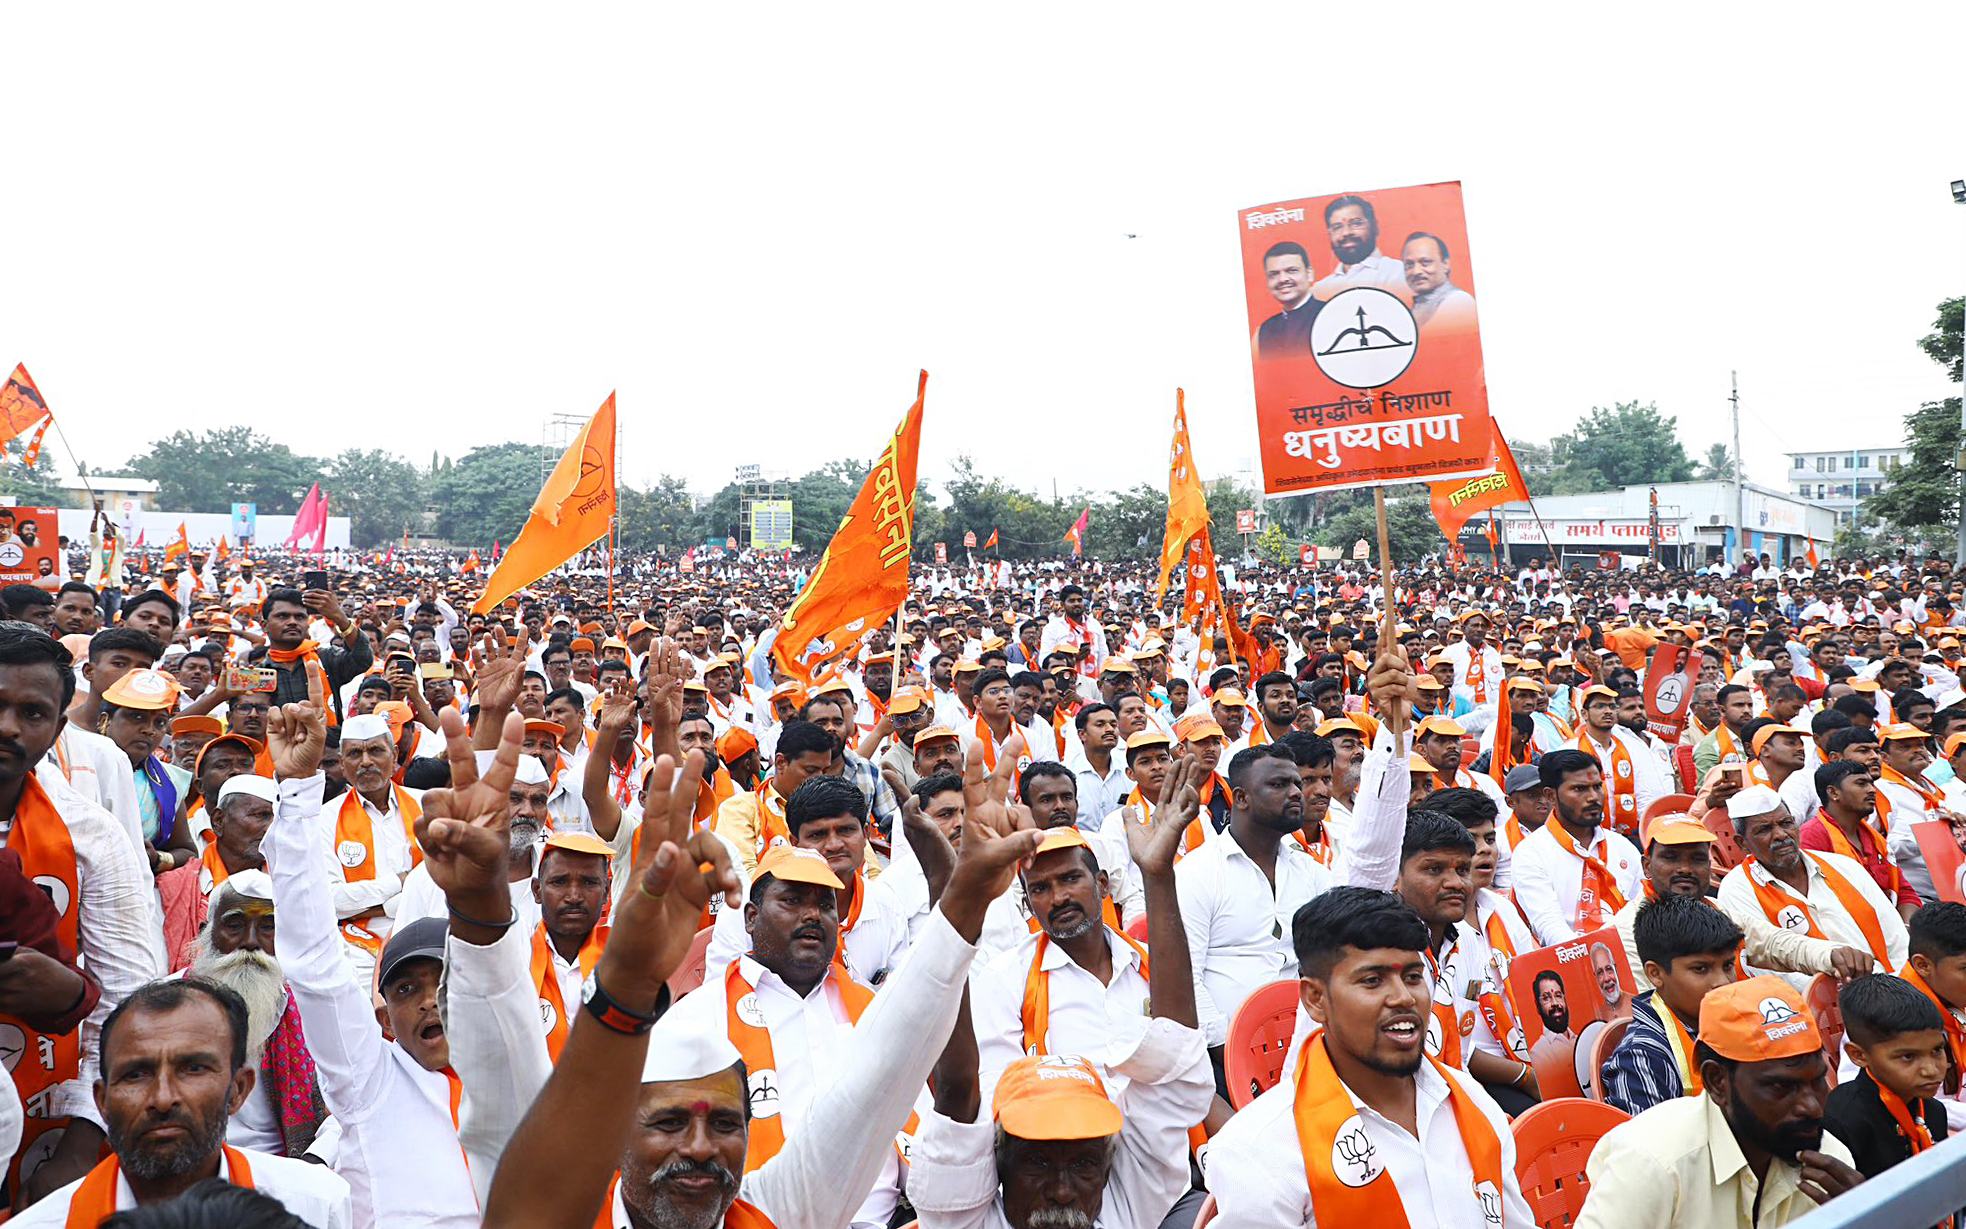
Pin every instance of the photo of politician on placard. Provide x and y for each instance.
(1363, 337)
(1564, 996)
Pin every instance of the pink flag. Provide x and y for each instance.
(310, 531)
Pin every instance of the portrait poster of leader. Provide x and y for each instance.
(30, 548)
(1363, 339)
(1563, 996)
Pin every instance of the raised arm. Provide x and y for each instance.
(1154, 844)
(596, 784)
(1370, 859)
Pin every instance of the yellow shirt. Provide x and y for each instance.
(1678, 1164)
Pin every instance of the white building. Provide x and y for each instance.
(1842, 480)
(1697, 523)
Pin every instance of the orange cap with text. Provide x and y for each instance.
(1055, 1096)
(1756, 1020)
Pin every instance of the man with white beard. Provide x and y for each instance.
(284, 1114)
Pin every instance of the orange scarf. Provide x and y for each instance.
(308, 650)
(1912, 1128)
(1477, 675)
(1037, 992)
(1494, 1003)
(354, 834)
(1724, 742)
(1599, 895)
(1934, 799)
(1451, 1029)
(1512, 831)
(1330, 1132)
(753, 1041)
(95, 1200)
(1620, 800)
(546, 981)
(1682, 1046)
(771, 817)
(1955, 1032)
(990, 745)
(1786, 909)
(1839, 843)
(214, 865)
(47, 853)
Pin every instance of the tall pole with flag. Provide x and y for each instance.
(1187, 544)
(862, 579)
(1076, 534)
(574, 510)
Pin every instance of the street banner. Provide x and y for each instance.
(1363, 340)
(1246, 521)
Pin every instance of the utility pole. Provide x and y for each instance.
(1740, 500)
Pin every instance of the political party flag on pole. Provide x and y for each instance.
(498, 552)
(1459, 500)
(572, 512)
(310, 531)
(33, 453)
(993, 540)
(21, 404)
(862, 579)
(1187, 504)
(178, 547)
(1814, 562)
(1076, 534)
(224, 547)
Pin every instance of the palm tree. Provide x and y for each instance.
(1717, 465)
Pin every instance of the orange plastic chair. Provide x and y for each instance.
(1682, 759)
(1727, 851)
(1470, 750)
(1821, 997)
(1669, 804)
(1259, 1041)
(1207, 1212)
(1553, 1140)
(1137, 929)
(1601, 1046)
(689, 974)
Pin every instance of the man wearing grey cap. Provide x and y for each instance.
(1822, 895)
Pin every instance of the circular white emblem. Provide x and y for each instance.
(749, 1011)
(1774, 1011)
(352, 853)
(1491, 1202)
(764, 1093)
(1353, 1158)
(38, 1153)
(11, 554)
(1791, 918)
(57, 892)
(13, 1044)
(548, 1016)
(1364, 337)
(1624, 770)
(1672, 690)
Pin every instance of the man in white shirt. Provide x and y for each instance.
(369, 832)
(1634, 775)
(1353, 228)
(1572, 875)
(1382, 1125)
(1477, 663)
(197, 1031)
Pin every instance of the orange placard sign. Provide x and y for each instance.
(30, 548)
(1363, 338)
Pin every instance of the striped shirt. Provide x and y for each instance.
(1641, 1071)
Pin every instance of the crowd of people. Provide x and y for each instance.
(330, 901)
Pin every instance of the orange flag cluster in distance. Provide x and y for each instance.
(1187, 503)
(1459, 500)
(572, 512)
(862, 579)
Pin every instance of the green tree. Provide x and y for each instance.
(1622, 446)
(1919, 506)
(657, 516)
(486, 493)
(1716, 466)
(37, 488)
(378, 491)
(1128, 524)
(1409, 522)
(208, 471)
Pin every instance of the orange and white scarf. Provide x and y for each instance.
(1036, 1013)
(95, 1200)
(1840, 843)
(1598, 896)
(546, 982)
(1955, 1032)
(1793, 911)
(1620, 796)
(47, 853)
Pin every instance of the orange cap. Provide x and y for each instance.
(1428, 682)
(1595, 689)
(1438, 724)
(1066, 837)
(1766, 732)
(1756, 1020)
(142, 689)
(1674, 828)
(1152, 736)
(1953, 744)
(934, 732)
(1194, 729)
(796, 864)
(1055, 1096)
(1229, 695)
(1896, 731)
(1339, 725)
(580, 642)
(197, 723)
(539, 725)
(397, 714)
(579, 842)
(735, 743)
(907, 700)
(1117, 665)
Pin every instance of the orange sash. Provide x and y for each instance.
(1451, 1029)
(1037, 992)
(1839, 843)
(95, 1200)
(546, 981)
(1682, 1047)
(1494, 1002)
(1955, 1032)
(214, 865)
(1599, 888)
(1330, 1133)
(1477, 676)
(1913, 1129)
(1934, 799)
(1620, 796)
(989, 743)
(771, 817)
(1778, 901)
(1512, 831)
(47, 853)
(354, 834)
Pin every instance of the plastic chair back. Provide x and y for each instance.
(1553, 1140)
(1601, 1046)
(1821, 997)
(1259, 1041)
(1726, 851)
(1688, 772)
(689, 974)
(1137, 929)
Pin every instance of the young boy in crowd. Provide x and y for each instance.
(1688, 947)
(1936, 967)
(1896, 1037)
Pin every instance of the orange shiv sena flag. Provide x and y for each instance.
(1456, 502)
(21, 404)
(1187, 504)
(572, 512)
(862, 579)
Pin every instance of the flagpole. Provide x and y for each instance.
(1388, 636)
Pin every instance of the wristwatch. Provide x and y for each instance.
(613, 1015)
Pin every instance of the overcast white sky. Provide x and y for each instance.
(422, 226)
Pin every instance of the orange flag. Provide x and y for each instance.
(572, 512)
(1187, 504)
(1814, 562)
(863, 577)
(993, 540)
(471, 562)
(224, 547)
(1458, 501)
(178, 547)
(33, 453)
(21, 404)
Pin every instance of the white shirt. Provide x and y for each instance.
(1238, 924)
(96, 768)
(1256, 1164)
(399, 1149)
(421, 898)
(1907, 808)
(1167, 1085)
(1549, 879)
(1100, 796)
(1085, 1016)
(874, 946)
(1377, 269)
(392, 858)
(1057, 631)
(1648, 783)
(1737, 897)
(1462, 655)
(314, 1193)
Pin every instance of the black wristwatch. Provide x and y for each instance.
(613, 1015)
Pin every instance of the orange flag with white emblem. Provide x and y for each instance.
(1187, 503)
(572, 512)
(178, 547)
(863, 577)
(21, 404)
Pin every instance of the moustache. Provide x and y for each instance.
(685, 1168)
